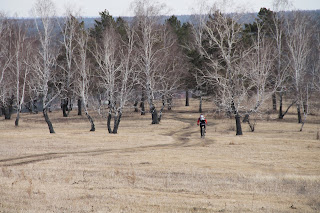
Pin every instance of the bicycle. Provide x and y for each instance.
(203, 131)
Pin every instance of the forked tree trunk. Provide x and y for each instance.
(238, 124)
(246, 119)
(117, 123)
(79, 107)
(187, 97)
(46, 117)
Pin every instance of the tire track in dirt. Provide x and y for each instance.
(182, 136)
(186, 133)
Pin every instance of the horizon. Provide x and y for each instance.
(13, 17)
(121, 8)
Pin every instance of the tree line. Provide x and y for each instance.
(147, 59)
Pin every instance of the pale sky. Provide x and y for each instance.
(92, 8)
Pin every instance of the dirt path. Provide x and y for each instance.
(183, 137)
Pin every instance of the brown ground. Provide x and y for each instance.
(159, 168)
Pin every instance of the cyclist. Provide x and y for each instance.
(202, 121)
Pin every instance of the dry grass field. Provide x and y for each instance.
(159, 168)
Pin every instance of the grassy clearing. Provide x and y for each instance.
(159, 168)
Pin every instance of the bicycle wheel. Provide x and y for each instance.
(202, 132)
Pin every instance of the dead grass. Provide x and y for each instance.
(159, 168)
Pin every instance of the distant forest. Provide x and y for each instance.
(240, 62)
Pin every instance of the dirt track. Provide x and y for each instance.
(168, 168)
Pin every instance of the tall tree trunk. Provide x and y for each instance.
(79, 106)
(305, 107)
(46, 117)
(187, 97)
(238, 124)
(64, 106)
(163, 100)
(143, 110)
(246, 119)
(35, 107)
(160, 113)
(136, 106)
(91, 122)
(299, 114)
(7, 114)
(274, 101)
(109, 122)
(169, 101)
(29, 106)
(16, 123)
(8, 109)
(200, 105)
(154, 115)
(280, 106)
(69, 108)
(117, 123)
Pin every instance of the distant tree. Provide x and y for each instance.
(188, 56)
(106, 21)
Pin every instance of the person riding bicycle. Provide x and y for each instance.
(202, 121)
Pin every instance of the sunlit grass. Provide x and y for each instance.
(159, 168)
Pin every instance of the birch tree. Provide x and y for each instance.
(152, 47)
(21, 61)
(298, 42)
(261, 80)
(239, 74)
(45, 59)
(6, 57)
(83, 71)
(216, 39)
(69, 28)
(117, 61)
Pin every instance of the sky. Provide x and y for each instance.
(91, 8)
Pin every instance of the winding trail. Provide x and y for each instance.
(183, 137)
